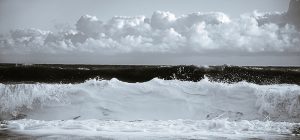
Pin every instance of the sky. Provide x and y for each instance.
(199, 32)
(49, 14)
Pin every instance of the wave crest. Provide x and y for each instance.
(156, 99)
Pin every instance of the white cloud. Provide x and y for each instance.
(163, 33)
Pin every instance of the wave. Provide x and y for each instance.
(154, 100)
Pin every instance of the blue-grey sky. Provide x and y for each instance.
(44, 14)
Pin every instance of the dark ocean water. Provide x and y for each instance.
(58, 73)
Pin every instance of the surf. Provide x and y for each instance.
(153, 100)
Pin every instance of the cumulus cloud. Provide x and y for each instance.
(163, 33)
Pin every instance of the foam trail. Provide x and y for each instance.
(170, 129)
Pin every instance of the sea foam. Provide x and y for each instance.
(153, 100)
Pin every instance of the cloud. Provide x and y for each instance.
(164, 33)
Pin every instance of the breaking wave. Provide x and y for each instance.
(157, 109)
(153, 100)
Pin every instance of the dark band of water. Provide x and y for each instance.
(56, 73)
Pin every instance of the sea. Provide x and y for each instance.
(159, 102)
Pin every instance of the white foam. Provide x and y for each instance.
(153, 100)
(170, 129)
(157, 109)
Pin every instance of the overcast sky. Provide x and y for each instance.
(44, 14)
